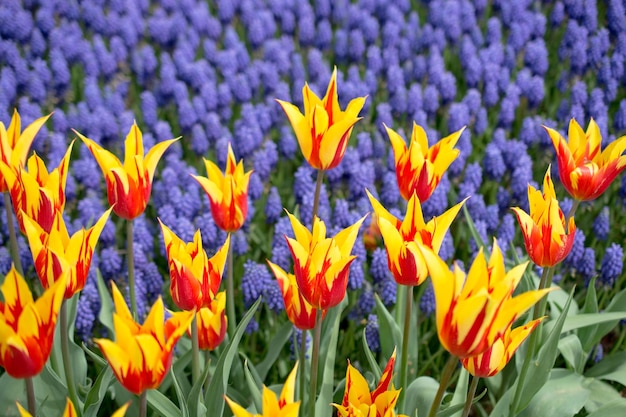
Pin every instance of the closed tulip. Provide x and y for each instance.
(299, 311)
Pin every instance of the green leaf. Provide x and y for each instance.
(255, 384)
(276, 344)
(460, 392)
(472, 227)
(611, 368)
(615, 408)
(106, 304)
(370, 358)
(97, 393)
(214, 399)
(96, 358)
(330, 336)
(587, 335)
(594, 319)
(160, 403)
(388, 329)
(564, 395)
(182, 401)
(572, 351)
(196, 408)
(601, 394)
(419, 395)
(617, 304)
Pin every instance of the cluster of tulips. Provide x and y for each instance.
(475, 311)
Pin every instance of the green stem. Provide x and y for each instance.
(143, 404)
(15, 250)
(67, 360)
(317, 335)
(301, 371)
(318, 190)
(207, 363)
(470, 396)
(405, 344)
(30, 396)
(230, 292)
(570, 214)
(448, 370)
(195, 351)
(130, 257)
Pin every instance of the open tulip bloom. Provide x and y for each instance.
(56, 254)
(322, 264)
(15, 144)
(476, 309)
(227, 192)
(194, 277)
(70, 411)
(406, 262)
(141, 354)
(37, 192)
(27, 326)
(323, 131)
(584, 168)
(128, 184)
(419, 168)
(300, 312)
(547, 237)
(272, 406)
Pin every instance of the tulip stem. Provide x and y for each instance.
(301, 369)
(448, 370)
(30, 396)
(318, 190)
(67, 360)
(405, 343)
(130, 257)
(570, 214)
(470, 396)
(15, 250)
(195, 351)
(143, 404)
(317, 335)
(230, 293)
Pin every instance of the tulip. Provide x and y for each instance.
(272, 406)
(15, 144)
(299, 311)
(321, 264)
(584, 168)
(194, 278)
(129, 184)
(70, 411)
(142, 354)
(419, 168)
(494, 359)
(547, 237)
(56, 254)
(358, 401)
(228, 192)
(212, 323)
(37, 192)
(323, 131)
(476, 309)
(406, 262)
(27, 326)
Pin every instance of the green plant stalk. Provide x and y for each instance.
(67, 360)
(207, 363)
(318, 189)
(30, 396)
(405, 343)
(302, 367)
(195, 351)
(143, 404)
(230, 292)
(570, 214)
(538, 311)
(130, 257)
(448, 370)
(317, 335)
(470, 396)
(15, 251)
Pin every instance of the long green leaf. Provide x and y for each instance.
(195, 406)
(214, 399)
(587, 335)
(276, 344)
(105, 316)
(97, 393)
(370, 358)
(160, 403)
(564, 395)
(419, 395)
(611, 368)
(254, 385)
(583, 320)
(388, 329)
(182, 401)
(613, 409)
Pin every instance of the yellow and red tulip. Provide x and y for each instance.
(128, 184)
(15, 144)
(142, 354)
(300, 312)
(322, 264)
(194, 278)
(358, 401)
(547, 237)
(419, 168)
(56, 254)
(476, 309)
(272, 406)
(70, 411)
(212, 323)
(27, 326)
(227, 192)
(405, 260)
(323, 131)
(37, 192)
(584, 168)
(494, 359)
